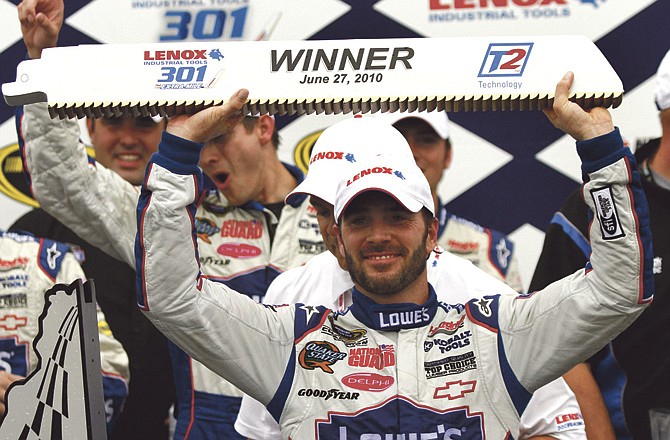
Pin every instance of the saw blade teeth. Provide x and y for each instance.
(418, 104)
(79, 111)
(504, 103)
(413, 104)
(160, 108)
(116, 111)
(472, 104)
(456, 104)
(496, 102)
(285, 106)
(189, 107)
(328, 106)
(150, 107)
(388, 104)
(107, 111)
(402, 104)
(392, 104)
(300, 106)
(319, 107)
(468, 104)
(365, 105)
(281, 107)
(370, 105)
(346, 106)
(311, 106)
(483, 103)
(522, 102)
(356, 105)
(376, 104)
(98, 109)
(143, 108)
(438, 103)
(338, 106)
(290, 107)
(422, 104)
(70, 111)
(252, 106)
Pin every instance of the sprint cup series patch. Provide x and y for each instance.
(607, 214)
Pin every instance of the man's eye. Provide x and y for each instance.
(357, 220)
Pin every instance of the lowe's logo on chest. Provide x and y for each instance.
(403, 318)
(420, 423)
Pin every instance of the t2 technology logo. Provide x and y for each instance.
(505, 59)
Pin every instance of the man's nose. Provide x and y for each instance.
(128, 134)
(378, 231)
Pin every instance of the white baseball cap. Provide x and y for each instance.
(394, 175)
(662, 91)
(438, 120)
(339, 149)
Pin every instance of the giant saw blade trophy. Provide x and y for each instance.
(327, 76)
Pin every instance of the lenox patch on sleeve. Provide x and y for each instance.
(607, 214)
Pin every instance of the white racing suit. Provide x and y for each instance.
(234, 242)
(373, 371)
(29, 267)
(553, 410)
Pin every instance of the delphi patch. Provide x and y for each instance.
(607, 214)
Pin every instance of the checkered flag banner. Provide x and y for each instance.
(62, 398)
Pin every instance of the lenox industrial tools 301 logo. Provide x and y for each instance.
(505, 59)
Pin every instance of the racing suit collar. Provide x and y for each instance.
(393, 317)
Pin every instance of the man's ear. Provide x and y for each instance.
(431, 238)
(266, 127)
(340, 244)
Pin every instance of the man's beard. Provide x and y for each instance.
(392, 283)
